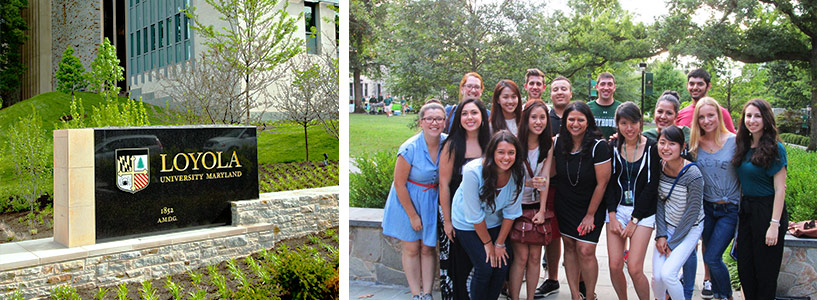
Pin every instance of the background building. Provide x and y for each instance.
(150, 36)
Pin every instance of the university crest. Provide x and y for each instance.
(132, 169)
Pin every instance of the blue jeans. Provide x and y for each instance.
(720, 221)
(690, 267)
(486, 283)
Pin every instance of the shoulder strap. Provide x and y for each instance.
(530, 171)
(676, 180)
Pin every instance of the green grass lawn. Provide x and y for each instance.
(375, 133)
(283, 144)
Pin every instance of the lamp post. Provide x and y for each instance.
(589, 86)
(643, 67)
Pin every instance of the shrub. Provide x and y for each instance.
(29, 148)
(304, 272)
(370, 187)
(71, 74)
(792, 138)
(789, 121)
(801, 184)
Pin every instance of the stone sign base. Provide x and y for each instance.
(36, 267)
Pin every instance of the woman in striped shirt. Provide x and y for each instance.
(678, 216)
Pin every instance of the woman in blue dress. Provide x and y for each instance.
(484, 208)
(411, 209)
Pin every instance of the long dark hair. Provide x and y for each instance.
(545, 140)
(591, 134)
(498, 118)
(490, 174)
(456, 138)
(766, 152)
(627, 110)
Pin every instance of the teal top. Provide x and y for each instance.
(756, 181)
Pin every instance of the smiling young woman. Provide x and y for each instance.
(678, 214)
(507, 107)
(761, 163)
(410, 214)
(631, 201)
(469, 136)
(483, 210)
(582, 166)
(534, 136)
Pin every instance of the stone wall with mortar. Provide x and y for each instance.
(77, 23)
(372, 255)
(291, 213)
(798, 270)
(259, 224)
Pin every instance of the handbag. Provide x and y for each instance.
(525, 231)
(803, 229)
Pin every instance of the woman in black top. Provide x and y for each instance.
(630, 198)
(582, 166)
(469, 136)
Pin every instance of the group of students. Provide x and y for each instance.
(462, 181)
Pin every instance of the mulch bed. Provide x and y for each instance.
(15, 227)
(186, 283)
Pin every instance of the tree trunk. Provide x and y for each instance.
(812, 145)
(306, 142)
(359, 108)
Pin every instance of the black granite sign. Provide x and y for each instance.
(160, 179)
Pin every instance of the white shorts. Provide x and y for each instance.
(624, 213)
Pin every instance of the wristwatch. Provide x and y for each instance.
(634, 220)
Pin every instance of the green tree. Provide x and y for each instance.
(12, 37)
(105, 71)
(365, 30)
(429, 44)
(258, 39)
(748, 31)
(70, 74)
(665, 77)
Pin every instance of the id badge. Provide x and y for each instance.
(628, 197)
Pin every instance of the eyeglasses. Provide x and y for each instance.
(433, 120)
(471, 86)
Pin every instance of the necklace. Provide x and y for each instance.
(629, 166)
(567, 167)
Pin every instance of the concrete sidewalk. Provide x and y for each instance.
(604, 288)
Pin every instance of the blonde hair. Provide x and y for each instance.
(697, 131)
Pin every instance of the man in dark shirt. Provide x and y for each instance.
(561, 92)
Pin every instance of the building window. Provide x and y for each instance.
(160, 36)
(311, 17)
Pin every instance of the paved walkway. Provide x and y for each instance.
(604, 288)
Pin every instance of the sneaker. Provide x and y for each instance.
(504, 293)
(547, 288)
(427, 297)
(416, 297)
(706, 291)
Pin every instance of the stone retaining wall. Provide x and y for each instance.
(36, 267)
(798, 270)
(372, 255)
